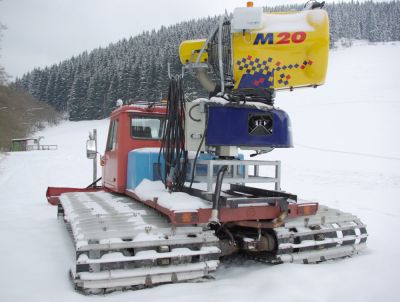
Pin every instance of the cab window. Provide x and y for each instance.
(147, 127)
(112, 136)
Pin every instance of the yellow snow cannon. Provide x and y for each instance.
(255, 49)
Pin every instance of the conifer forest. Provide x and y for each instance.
(87, 86)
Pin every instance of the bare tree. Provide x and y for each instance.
(3, 75)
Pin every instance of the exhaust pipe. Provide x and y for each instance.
(205, 81)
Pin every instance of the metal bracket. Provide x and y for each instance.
(169, 71)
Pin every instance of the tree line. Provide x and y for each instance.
(86, 86)
(21, 115)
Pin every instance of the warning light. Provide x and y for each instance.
(250, 3)
(308, 209)
(186, 217)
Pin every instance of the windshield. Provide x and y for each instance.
(147, 127)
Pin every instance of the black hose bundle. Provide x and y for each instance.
(260, 95)
(173, 140)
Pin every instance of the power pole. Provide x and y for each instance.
(95, 158)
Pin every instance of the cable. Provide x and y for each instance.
(265, 96)
(173, 139)
(196, 156)
(215, 209)
(93, 184)
(190, 113)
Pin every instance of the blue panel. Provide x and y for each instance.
(229, 126)
(142, 164)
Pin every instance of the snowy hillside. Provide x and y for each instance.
(347, 156)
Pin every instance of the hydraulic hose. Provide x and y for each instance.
(217, 193)
(173, 142)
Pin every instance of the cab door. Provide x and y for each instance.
(110, 168)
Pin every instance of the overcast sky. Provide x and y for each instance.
(43, 32)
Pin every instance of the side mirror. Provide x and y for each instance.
(91, 151)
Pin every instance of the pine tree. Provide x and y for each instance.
(88, 85)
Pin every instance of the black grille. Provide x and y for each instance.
(260, 124)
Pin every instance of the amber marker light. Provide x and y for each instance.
(186, 217)
(309, 209)
(250, 4)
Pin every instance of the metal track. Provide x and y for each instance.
(329, 234)
(121, 243)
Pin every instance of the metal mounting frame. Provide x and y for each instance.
(238, 172)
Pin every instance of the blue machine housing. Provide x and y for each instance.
(247, 126)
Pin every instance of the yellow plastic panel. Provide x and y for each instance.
(291, 50)
(189, 50)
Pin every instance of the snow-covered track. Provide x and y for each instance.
(121, 243)
(329, 234)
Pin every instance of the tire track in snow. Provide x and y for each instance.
(349, 152)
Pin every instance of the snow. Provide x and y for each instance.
(193, 268)
(94, 208)
(222, 101)
(292, 22)
(149, 255)
(175, 201)
(346, 156)
(2, 156)
(147, 150)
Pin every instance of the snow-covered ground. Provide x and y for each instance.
(347, 156)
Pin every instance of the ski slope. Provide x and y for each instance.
(347, 156)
